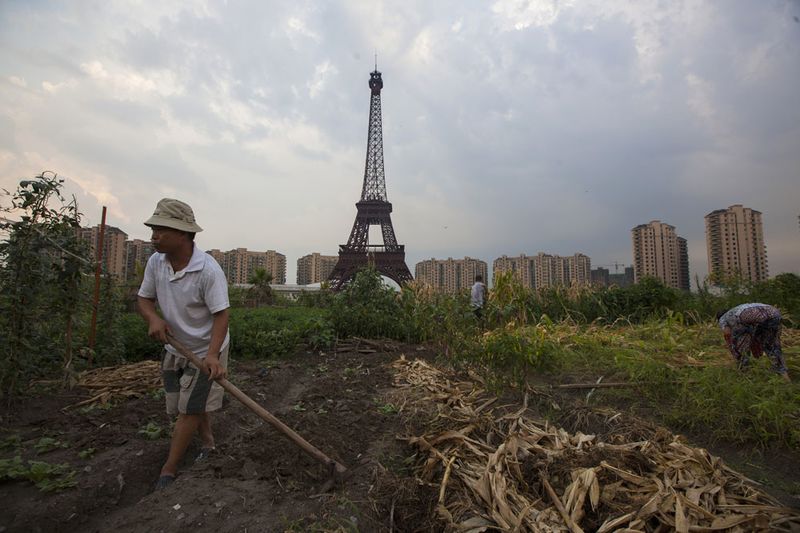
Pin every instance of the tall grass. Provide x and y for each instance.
(648, 334)
(687, 377)
(650, 298)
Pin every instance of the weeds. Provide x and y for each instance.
(95, 407)
(47, 477)
(48, 444)
(11, 443)
(158, 394)
(87, 453)
(152, 431)
(387, 408)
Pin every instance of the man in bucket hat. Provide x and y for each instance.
(192, 293)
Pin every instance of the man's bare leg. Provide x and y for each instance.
(206, 436)
(185, 427)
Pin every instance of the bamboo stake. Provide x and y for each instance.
(96, 295)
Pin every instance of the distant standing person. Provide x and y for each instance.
(192, 293)
(478, 296)
(754, 327)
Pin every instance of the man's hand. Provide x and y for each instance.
(728, 334)
(214, 367)
(158, 329)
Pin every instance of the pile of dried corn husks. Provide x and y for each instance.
(117, 382)
(502, 470)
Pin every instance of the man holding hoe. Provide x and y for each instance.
(192, 294)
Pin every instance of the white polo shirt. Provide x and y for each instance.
(478, 294)
(188, 298)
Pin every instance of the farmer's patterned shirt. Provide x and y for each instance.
(748, 315)
(754, 328)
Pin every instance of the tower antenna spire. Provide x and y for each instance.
(376, 60)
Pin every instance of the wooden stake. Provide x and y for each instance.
(96, 296)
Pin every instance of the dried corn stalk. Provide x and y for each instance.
(117, 382)
(498, 463)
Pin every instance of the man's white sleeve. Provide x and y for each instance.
(148, 287)
(216, 291)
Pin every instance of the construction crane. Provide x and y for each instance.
(616, 264)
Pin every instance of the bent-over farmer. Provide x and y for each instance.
(192, 294)
(754, 327)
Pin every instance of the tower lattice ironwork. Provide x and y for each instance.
(374, 209)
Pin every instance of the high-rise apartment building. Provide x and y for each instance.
(683, 265)
(315, 268)
(580, 269)
(552, 270)
(735, 244)
(240, 264)
(137, 252)
(114, 258)
(658, 252)
(545, 270)
(450, 275)
(522, 267)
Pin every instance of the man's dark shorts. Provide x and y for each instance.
(189, 391)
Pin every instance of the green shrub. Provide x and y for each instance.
(137, 345)
(367, 307)
(42, 263)
(256, 333)
(265, 332)
(518, 350)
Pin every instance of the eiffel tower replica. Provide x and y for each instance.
(373, 210)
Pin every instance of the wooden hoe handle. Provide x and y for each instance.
(336, 467)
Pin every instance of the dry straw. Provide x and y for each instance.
(499, 469)
(112, 383)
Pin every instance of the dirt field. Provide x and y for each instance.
(343, 402)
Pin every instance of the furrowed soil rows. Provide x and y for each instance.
(396, 422)
(255, 480)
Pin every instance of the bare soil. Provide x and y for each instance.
(257, 480)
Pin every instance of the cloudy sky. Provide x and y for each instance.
(510, 126)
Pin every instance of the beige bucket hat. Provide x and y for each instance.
(171, 213)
